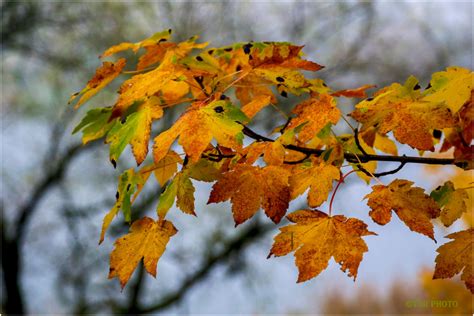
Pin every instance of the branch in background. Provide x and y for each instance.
(11, 245)
(234, 245)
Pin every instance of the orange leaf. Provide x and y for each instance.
(250, 187)
(411, 204)
(402, 109)
(254, 106)
(103, 76)
(147, 240)
(353, 93)
(457, 256)
(316, 112)
(317, 237)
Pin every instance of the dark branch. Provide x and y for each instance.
(356, 138)
(357, 158)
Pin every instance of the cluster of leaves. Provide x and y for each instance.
(224, 89)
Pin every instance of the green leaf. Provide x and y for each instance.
(95, 124)
(167, 199)
(451, 201)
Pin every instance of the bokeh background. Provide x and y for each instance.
(54, 192)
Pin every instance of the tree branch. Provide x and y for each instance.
(356, 158)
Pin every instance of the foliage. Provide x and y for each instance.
(224, 89)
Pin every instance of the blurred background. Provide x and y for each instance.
(55, 192)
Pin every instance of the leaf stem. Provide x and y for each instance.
(341, 180)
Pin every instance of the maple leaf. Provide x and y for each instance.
(166, 167)
(251, 88)
(461, 136)
(152, 40)
(199, 125)
(129, 186)
(180, 188)
(452, 87)
(316, 112)
(254, 106)
(141, 86)
(411, 204)
(402, 110)
(318, 177)
(317, 237)
(147, 240)
(103, 76)
(273, 152)
(251, 187)
(380, 142)
(95, 124)
(451, 201)
(456, 257)
(134, 130)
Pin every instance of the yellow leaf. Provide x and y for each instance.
(402, 110)
(451, 87)
(152, 40)
(149, 111)
(317, 237)
(199, 125)
(141, 86)
(457, 256)
(451, 201)
(147, 240)
(130, 185)
(273, 152)
(318, 178)
(411, 204)
(166, 167)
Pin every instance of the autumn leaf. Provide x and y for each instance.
(318, 177)
(166, 167)
(152, 40)
(147, 240)
(96, 124)
(181, 189)
(378, 141)
(451, 201)
(135, 129)
(456, 257)
(273, 152)
(199, 125)
(206, 170)
(353, 93)
(316, 112)
(103, 76)
(142, 86)
(461, 136)
(129, 186)
(253, 107)
(317, 237)
(251, 187)
(452, 87)
(411, 204)
(402, 110)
